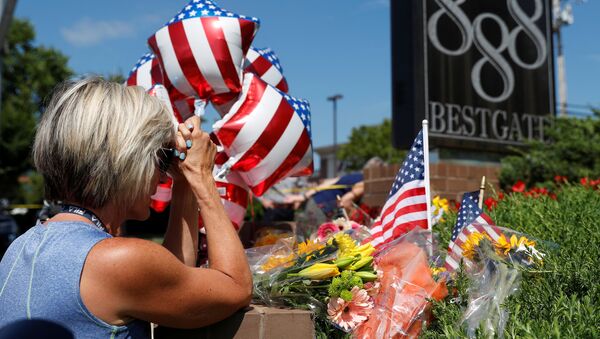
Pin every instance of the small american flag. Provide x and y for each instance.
(202, 50)
(470, 219)
(265, 63)
(406, 206)
(267, 134)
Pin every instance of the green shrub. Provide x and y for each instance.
(561, 301)
(366, 142)
(573, 150)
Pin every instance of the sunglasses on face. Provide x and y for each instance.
(165, 158)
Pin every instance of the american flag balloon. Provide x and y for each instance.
(202, 51)
(265, 63)
(159, 91)
(146, 72)
(267, 135)
(162, 197)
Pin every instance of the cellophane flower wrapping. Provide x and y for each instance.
(494, 268)
(335, 278)
(407, 285)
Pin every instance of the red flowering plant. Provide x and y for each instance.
(586, 182)
(519, 187)
(535, 192)
(492, 202)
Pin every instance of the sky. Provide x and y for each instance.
(325, 48)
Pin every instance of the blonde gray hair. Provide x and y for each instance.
(97, 142)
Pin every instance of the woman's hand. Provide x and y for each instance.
(195, 151)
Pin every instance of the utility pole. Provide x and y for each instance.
(334, 99)
(563, 16)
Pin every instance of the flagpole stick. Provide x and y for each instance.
(427, 185)
(339, 199)
(481, 192)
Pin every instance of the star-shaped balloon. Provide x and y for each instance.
(202, 50)
(266, 135)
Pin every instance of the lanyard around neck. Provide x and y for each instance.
(73, 209)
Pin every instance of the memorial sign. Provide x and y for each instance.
(481, 72)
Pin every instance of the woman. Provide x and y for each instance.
(102, 148)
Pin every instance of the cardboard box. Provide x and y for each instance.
(255, 322)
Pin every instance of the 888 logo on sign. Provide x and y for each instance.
(488, 51)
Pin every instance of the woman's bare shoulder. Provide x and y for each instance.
(121, 249)
(127, 258)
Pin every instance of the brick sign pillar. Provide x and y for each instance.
(448, 180)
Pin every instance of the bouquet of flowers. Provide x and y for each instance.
(495, 271)
(407, 285)
(336, 279)
(351, 290)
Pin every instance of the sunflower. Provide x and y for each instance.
(469, 247)
(502, 245)
(309, 246)
(278, 261)
(520, 242)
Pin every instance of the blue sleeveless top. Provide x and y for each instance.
(39, 279)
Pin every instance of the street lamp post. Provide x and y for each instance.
(563, 16)
(334, 99)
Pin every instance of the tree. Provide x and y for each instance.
(370, 141)
(115, 77)
(29, 73)
(572, 151)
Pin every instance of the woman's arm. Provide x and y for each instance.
(125, 278)
(181, 237)
(225, 251)
(348, 199)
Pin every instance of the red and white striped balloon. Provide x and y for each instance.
(233, 191)
(147, 73)
(267, 135)
(265, 63)
(202, 50)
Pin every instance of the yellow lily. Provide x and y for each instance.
(364, 250)
(345, 261)
(319, 271)
(366, 276)
(346, 244)
(364, 261)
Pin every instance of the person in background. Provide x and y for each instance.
(345, 191)
(102, 148)
(275, 200)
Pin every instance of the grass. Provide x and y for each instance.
(561, 301)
